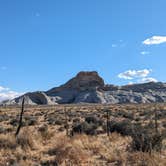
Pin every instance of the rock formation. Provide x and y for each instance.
(89, 87)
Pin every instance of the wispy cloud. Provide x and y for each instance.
(132, 74)
(137, 76)
(119, 43)
(7, 94)
(155, 40)
(145, 52)
(130, 83)
(148, 79)
(3, 89)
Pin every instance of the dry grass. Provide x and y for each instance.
(45, 143)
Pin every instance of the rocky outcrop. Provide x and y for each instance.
(89, 87)
(81, 88)
(83, 81)
(35, 98)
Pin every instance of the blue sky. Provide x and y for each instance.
(43, 43)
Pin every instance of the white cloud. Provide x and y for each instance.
(3, 89)
(130, 83)
(118, 44)
(148, 79)
(155, 40)
(145, 52)
(7, 94)
(131, 74)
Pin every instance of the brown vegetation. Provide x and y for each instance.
(137, 135)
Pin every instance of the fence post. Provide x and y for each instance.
(20, 120)
(108, 118)
(156, 120)
(66, 122)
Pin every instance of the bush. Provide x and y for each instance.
(27, 121)
(4, 118)
(91, 119)
(25, 140)
(55, 121)
(94, 120)
(43, 128)
(84, 127)
(123, 127)
(146, 140)
(15, 122)
(30, 120)
(49, 163)
(45, 132)
(67, 152)
(76, 120)
(7, 142)
(2, 130)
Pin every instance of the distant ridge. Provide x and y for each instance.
(89, 87)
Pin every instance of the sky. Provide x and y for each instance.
(44, 43)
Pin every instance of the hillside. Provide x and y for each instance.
(89, 87)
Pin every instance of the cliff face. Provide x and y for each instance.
(82, 81)
(81, 88)
(89, 87)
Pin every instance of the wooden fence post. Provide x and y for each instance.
(156, 120)
(20, 120)
(66, 122)
(108, 119)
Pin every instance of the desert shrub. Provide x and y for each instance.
(128, 116)
(84, 127)
(76, 120)
(91, 119)
(125, 114)
(89, 126)
(49, 163)
(67, 152)
(45, 132)
(145, 139)
(4, 117)
(30, 120)
(59, 122)
(25, 140)
(55, 120)
(27, 121)
(94, 119)
(2, 130)
(15, 122)
(72, 114)
(61, 128)
(137, 119)
(123, 127)
(43, 128)
(50, 120)
(7, 142)
(164, 124)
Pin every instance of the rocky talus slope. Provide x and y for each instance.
(89, 87)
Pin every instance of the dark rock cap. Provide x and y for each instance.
(85, 79)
